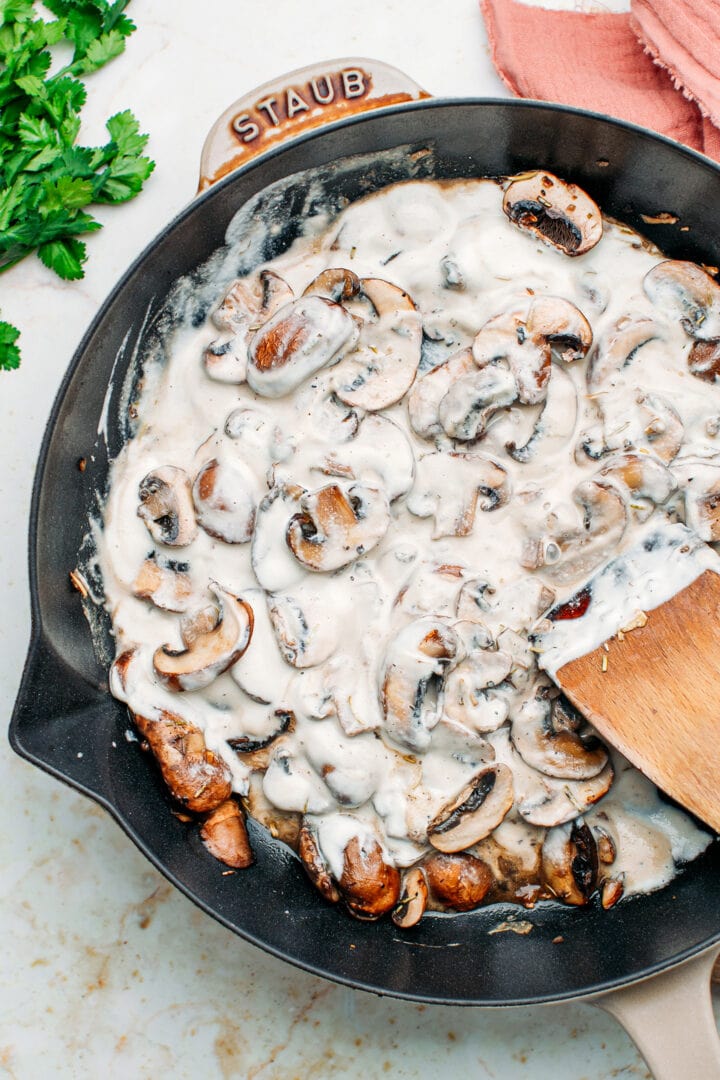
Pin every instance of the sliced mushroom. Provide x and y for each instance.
(211, 652)
(460, 882)
(618, 348)
(378, 450)
(561, 214)
(281, 721)
(570, 863)
(645, 481)
(704, 360)
(261, 672)
(225, 494)
(336, 284)
(513, 854)
(684, 290)
(315, 866)
(251, 300)
(224, 834)
(166, 506)
(411, 680)
(305, 635)
(273, 563)
(369, 885)
(566, 552)
(300, 339)
(291, 784)
(413, 899)
(166, 583)
(611, 891)
(383, 366)
(280, 824)
(468, 695)
(556, 423)
(448, 486)
(335, 526)
(248, 303)
(700, 481)
(544, 800)
(195, 776)
(528, 337)
(475, 812)
(473, 399)
(427, 393)
(549, 736)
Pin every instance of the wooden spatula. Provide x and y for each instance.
(637, 651)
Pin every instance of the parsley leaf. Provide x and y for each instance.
(48, 184)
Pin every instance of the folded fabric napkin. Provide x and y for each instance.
(658, 65)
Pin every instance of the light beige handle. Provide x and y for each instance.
(670, 1019)
(304, 99)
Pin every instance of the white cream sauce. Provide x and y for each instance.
(478, 541)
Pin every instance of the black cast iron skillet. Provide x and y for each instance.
(66, 722)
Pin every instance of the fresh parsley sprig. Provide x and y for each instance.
(47, 181)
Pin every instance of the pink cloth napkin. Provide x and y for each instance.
(658, 66)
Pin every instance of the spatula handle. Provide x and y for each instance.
(670, 1019)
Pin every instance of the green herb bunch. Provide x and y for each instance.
(47, 181)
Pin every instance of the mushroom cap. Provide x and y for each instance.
(211, 652)
(166, 506)
(298, 340)
(383, 367)
(429, 390)
(561, 214)
(684, 290)
(475, 812)
(473, 399)
(337, 525)
(460, 882)
(165, 584)
(225, 497)
(547, 735)
(336, 283)
(251, 299)
(413, 899)
(570, 863)
(704, 360)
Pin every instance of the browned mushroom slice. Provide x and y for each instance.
(300, 339)
(336, 284)
(251, 300)
(383, 366)
(561, 214)
(410, 683)
(570, 863)
(471, 401)
(210, 652)
(427, 393)
(224, 494)
(513, 854)
(549, 736)
(195, 775)
(617, 348)
(460, 882)
(336, 526)
(478, 809)
(684, 290)
(413, 899)
(611, 891)
(369, 886)
(166, 506)
(577, 549)
(165, 583)
(448, 487)
(224, 834)
(315, 866)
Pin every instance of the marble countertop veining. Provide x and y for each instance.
(106, 969)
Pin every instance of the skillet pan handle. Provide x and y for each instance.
(297, 102)
(670, 1019)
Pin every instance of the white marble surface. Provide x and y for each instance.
(106, 969)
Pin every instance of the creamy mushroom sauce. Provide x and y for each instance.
(387, 732)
